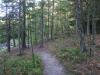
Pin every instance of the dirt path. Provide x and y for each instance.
(51, 64)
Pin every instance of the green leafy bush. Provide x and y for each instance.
(21, 66)
(72, 54)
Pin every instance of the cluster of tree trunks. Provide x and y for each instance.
(22, 24)
(81, 27)
(88, 25)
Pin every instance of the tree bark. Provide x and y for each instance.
(52, 25)
(8, 30)
(24, 26)
(79, 23)
(42, 24)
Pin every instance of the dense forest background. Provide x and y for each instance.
(42, 19)
(49, 23)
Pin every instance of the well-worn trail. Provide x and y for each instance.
(51, 64)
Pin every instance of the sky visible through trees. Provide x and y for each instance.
(66, 28)
(2, 14)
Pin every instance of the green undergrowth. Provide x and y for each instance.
(68, 52)
(16, 65)
(73, 55)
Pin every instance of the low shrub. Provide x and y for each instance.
(73, 55)
(21, 66)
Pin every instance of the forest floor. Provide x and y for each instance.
(51, 65)
(54, 65)
(89, 66)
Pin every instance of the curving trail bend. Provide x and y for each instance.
(51, 64)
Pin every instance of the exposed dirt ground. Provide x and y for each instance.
(52, 66)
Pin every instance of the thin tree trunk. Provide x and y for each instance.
(94, 23)
(14, 43)
(93, 28)
(31, 39)
(8, 35)
(19, 29)
(42, 24)
(28, 34)
(79, 23)
(35, 20)
(8, 30)
(48, 20)
(52, 26)
(24, 26)
(88, 24)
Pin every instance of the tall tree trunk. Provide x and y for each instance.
(19, 28)
(35, 30)
(93, 29)
(13, 36)
(88, 24)
(79, 23)
(35, 25)
(52, 25)
(24, 25)
(31, 39)
(42, 24)
(48, 20)
(94, 22)
(28, 33)
(8, 35)
(8, 29)
(14, 43)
